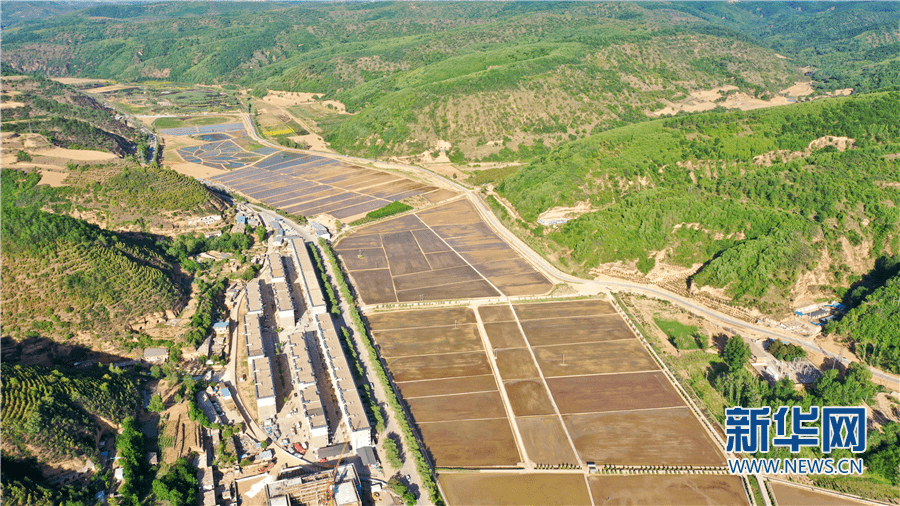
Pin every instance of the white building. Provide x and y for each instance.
(254, 298)
(303, 264)
(265, 387)
(284, 304)
(353, 416)
(276, 268)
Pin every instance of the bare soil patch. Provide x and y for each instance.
(594, 358)
(545, 441)
(82, 155)
(685, 490)
(613, 392)
(568, 213)
(475, 489)
(471, 443)
(669, 437)
(53, 178)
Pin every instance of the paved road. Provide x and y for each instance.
(606, 283)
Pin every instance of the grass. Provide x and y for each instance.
(388, 210)
(191, 121)
(492, 175)
(683, 337)
(754, 489)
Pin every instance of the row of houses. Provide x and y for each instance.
(303, 265)
(304, 378)
(284, 302)
(353, 416)
(260, 367)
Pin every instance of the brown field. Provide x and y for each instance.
(423, 341)
(471, 443)
(436, 278)
(504, 334)
(653, 437)
(613, 392)
(359, 241)
(422, 318)
(516, 363)
(528, 398)
(492, 314)
(444, 259)
(447, 408)
(403, 253)
(526, 283)
(364, 259)
(594, 358)
(457, 212)
(444, 253)
(449, 365)
(787, 495)
(565, 309)
(439, 195)
(545, 441)
(464, 290)
(653, 490)
(401, 224)
(514, 489)
(412, 389)
(375, 287)
(584, 329)
(429, 242)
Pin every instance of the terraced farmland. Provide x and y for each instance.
(310, 185)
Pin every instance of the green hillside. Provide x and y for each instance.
(55, 412)
(689, 187)
(514, 74)
(66, 117)
(72, 276)
(473, 73)
(872, 325)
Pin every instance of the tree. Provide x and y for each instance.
(156, 404)
(736, 353)
(156, 372)
(261, 233)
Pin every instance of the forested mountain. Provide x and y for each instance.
(482, 76)
(755, 199)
